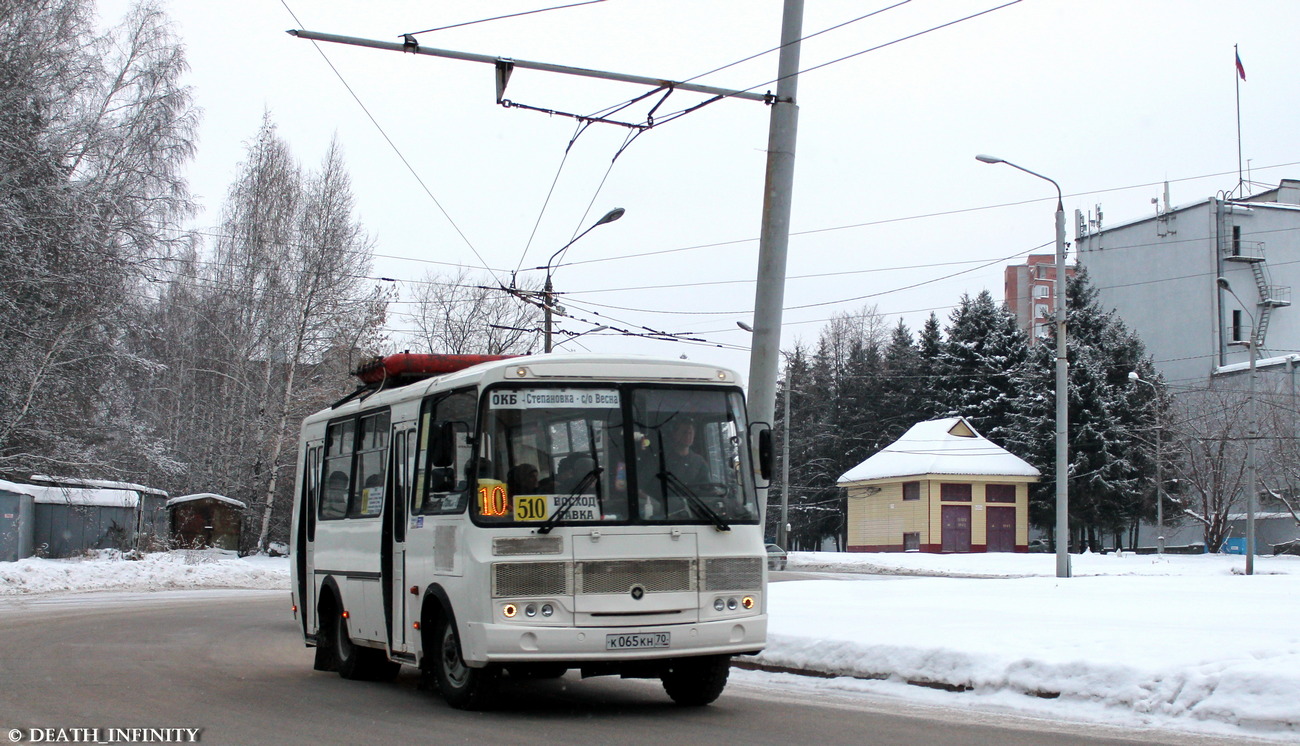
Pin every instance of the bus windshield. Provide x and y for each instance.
(630, 454)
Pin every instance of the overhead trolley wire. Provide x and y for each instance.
(498, 18)
(676, 115)
(393, 145)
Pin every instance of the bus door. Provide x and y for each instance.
(393, 541)
(305, 538)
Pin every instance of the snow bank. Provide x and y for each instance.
(176, 570)
(1174, 642)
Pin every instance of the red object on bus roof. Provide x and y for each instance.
(408, 366)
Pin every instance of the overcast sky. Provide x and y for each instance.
(1108, 97)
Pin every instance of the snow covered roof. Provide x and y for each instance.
(947, 446)
(22, 489)
(80, 496)
(206, 496)
(104, 483)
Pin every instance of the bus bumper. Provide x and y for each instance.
(514, 643)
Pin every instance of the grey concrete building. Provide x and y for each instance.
(1160, 274)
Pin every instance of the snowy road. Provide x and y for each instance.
(231, 663)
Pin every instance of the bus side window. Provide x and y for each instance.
(418, 456)
(445, 486)
(372, 453)
(311, 487)
(338, 469)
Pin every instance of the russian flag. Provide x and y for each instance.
(1241, 69)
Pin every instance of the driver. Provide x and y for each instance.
(679, 459)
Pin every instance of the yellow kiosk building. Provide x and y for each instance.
(942, 487)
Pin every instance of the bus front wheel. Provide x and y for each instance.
(695, 682)
(463, 688)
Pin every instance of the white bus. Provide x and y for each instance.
(526, 516)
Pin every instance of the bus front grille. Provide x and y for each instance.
(514, 579)
(620, 576)
(520, 579)
(733, 573)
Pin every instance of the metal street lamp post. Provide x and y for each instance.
(1160, 501)
(1251, 435)
(548, 292)
(1062, 372)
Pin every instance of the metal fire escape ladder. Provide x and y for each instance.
(1270, 296)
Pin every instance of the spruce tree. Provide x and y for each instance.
(1109, 426)
(982, 355)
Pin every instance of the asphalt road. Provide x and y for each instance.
(233, 664)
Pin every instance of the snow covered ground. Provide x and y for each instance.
(1184, 642)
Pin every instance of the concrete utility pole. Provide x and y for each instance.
(774, 239)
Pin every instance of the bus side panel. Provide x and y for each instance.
(348, 550)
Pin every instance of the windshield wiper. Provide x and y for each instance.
(587, 480)
(693, 500)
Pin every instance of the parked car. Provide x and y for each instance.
(775, 557)
(1039, 546)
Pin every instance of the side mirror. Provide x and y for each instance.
(760, 438)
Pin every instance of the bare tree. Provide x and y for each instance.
(328, 299)
(1212, 460)
(261, 330)
(462, 313)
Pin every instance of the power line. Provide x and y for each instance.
(828, 302)
(498, 18)
(393, 145)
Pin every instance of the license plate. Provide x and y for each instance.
(633, 642)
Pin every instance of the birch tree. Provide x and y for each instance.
(94, 131)
(461, 313)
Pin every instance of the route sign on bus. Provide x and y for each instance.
(553, 399)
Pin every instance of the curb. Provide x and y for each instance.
(941, 685)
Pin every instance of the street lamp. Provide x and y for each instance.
(1160, 502)
(1062, 370)
(1251, 435)
(548, 292)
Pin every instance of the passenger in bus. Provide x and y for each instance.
(573, 468)
(523, 480)
(335, 504)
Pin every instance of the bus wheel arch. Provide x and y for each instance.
(335, 647)
(443, 661)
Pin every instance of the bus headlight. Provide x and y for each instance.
(530, 610)
(719, 604)
(547, 610)
(747, 602)
(510, 610)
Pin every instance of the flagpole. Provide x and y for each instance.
(1241, 182)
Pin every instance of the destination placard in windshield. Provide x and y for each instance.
(553, 399)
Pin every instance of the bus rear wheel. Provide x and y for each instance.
(695, 682)
(463, 688)
(358, 663)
